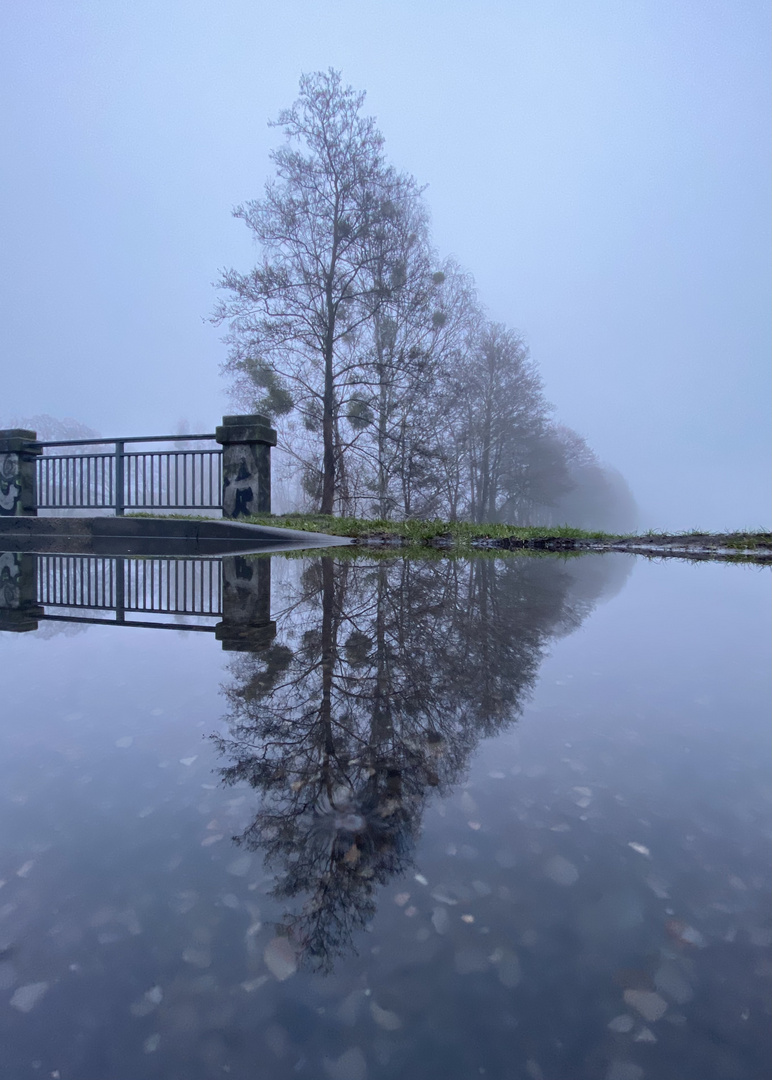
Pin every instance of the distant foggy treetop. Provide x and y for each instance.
(50, 428)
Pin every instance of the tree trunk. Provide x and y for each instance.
(383, 476)
(328, 430)
(485, 466)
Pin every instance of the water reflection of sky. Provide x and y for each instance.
(548, 858)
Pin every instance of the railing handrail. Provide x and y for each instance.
(123, 439)
(111, 454)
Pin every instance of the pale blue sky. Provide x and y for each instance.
(602, 168)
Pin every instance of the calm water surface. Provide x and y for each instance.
(424, 819)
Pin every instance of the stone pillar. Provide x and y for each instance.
(246, 464)
(246, 604)
(18, 475)
(19, 608)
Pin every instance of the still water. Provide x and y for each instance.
(505, 818)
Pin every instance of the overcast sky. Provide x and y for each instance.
(602, 167)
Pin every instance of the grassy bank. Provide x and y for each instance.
(464, 534)
(419, 533)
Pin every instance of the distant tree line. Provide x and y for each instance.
(397, 396)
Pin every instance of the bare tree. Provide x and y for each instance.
(294, 317)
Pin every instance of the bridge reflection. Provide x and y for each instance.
(178, 593)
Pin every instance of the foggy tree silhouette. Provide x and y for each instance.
(389, 674)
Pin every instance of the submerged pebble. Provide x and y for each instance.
(384, 1018)
(622, 1023)
(561, 871)
(26, 997)
(649, 1004)
(280, 958)
(349, 1066)
(624, 1070)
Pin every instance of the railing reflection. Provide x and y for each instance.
(185, 594)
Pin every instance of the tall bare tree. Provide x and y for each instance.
(291, 317)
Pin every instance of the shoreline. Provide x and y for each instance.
(655, 547)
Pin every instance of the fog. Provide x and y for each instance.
(602, 170)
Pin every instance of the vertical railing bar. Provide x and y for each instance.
(119, 480)
(120, 589)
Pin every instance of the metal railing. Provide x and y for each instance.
(160, 593)
(122, 479)
(108, 583)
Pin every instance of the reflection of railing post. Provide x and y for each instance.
(246, 464)
(246, 605)
(120, 591)
(19, 608)
(119, 492)
(18, 473)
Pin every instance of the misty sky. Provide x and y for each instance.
(602, 167)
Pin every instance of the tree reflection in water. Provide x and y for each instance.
(384, 677)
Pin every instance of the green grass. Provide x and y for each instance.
(464, 536)
(464, 532)
(415, 532)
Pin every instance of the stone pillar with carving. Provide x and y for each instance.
(246, 464)
(246, 604)
(18, 474)
(19, 608)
